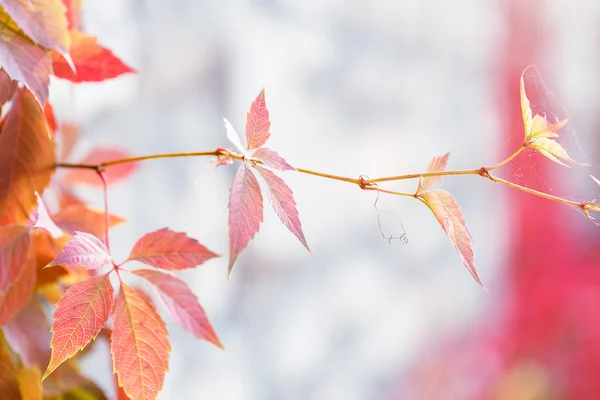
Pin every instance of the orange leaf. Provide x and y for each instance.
(257, 122)
(182, 304)
(7, 87)
(50, 118)
(30, 383)
(93, 63)
(17, 270)
(42, 20)
(23, 60)
(26, 158)
(170, 250)
(245, 212)
(438, 163)
(79, 317)
(9, 387)
(448, 213)
(83, 218)
(139, 346)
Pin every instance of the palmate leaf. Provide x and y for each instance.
(79, 317)
(139, 346)
(282, 200)
(22, 59)
(92, 61)
(438, 163)
(182, 304)
(272, 159)
(17, 270)
(245, 211)
(26, 158)
(83, 250)
(170, 250)
(448, 213)
(257, 123)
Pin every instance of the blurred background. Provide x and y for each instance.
(361, 87)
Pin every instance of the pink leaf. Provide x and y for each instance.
(448, 213)
(282, 200)
(437, 164)
(170, 250)
(81, 313)
(272, 159)
(182, 304)
(83, 250)
(257, 122)
(245, 212)
(41, 219)
(97, 156)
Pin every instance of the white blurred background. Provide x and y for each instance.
(353, 87)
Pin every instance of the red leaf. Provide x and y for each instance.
(245, 212)
(170, 250)
(28, 334)
(272, 159)
(83, 250)
(7, 87)
(282, 200)
(97, 156)
(42, 20)
(17, 270)
(139, 346)
(50, 118)
(23, 60)
(93, 63)
(80, 315)
(182, 304)
(257, 122)
(437, 164)
(72, 14)
(448, 213)
(26, 158)
(83, 218)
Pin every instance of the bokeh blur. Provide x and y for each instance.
(361, 87)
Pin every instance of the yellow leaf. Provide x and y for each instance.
(30, 383)
(525, 109)
(552, 150)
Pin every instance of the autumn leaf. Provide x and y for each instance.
(26, 158)
(282, 200)
(272, 159)
(257, 122)
(40, 218)
(43, 21)
(9, 387)
(7, 86)
(50, 118)
(540, 135)
(28, 334)
(79, 317)
(170, 250)
(83, 218)
(139, 346)
(30, 383)
(83, 250)
(22, 59)
(97, 156)
(182, 304)
(233, 137)
(72, 13)
(448, 213)
(93, 62)
(437, 164)
(17, 270)
(245, 212)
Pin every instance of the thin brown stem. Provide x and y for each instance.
(102, 173)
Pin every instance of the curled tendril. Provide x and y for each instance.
(403, 237)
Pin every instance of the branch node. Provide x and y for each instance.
(365, 183)
(484, 172)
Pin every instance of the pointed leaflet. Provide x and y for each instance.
(79, 317)
(81, 217)
(257, 122)
(282, 200)
(438, 163)
(272, 159)
(553, 151)
(170, 250)
(83, 250)
(93, 62)
(41, 219)
(182, 304)
(17, 270)
(139, 346)
(97, 156)
(233, 137)
(23, 60)
(448, 213)
(42, 20)
(245, 212)
(26, 158)
(28, 334)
